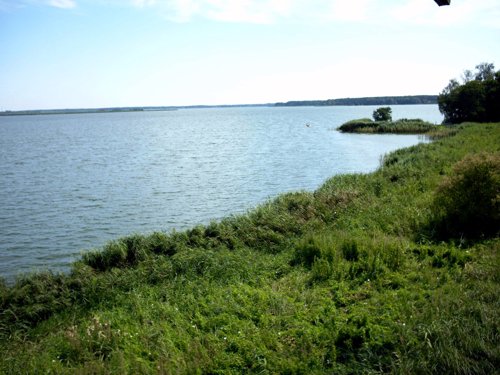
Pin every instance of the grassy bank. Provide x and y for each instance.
(356, 277)
(402, 126)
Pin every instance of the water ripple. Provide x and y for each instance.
(73, 182)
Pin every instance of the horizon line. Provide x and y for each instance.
(194, 106)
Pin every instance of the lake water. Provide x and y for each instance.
(73, 182)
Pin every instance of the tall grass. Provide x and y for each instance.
(345, 279)
(401, 126)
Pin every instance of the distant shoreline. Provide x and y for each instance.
(376, 100)
(119, 109)
(373, 100)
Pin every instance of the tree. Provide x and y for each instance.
(485, 71)
(476, 99)
(452, 85)
(383, 114)
(467, 76)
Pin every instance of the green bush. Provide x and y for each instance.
(467, 203)
(383, 114)
(402, 126)
(476, 99)
(355, 125)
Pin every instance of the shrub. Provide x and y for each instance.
(383, 114)
(467, 203)
(402, 126)
(357, 125)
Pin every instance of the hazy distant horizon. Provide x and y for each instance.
(132, 107)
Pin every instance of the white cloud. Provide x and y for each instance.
(64, 4)
(181, 10)
(423, 12)
(484, 13)
(259, 11)
(239, 11)
(350, 11)
(246, 11)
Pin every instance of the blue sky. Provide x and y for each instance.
(107, 53)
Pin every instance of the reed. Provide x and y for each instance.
(402, 126)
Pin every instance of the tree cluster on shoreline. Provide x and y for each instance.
(476, 98)
(376, 100)
(382, 123)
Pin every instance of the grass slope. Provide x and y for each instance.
(346, 279)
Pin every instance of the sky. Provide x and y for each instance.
(117, 53)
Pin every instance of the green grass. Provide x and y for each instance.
(402, 126)
(346, 279)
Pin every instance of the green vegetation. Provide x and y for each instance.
(468, 202)
(383, 114)
(476, 99)
(375, 100)
(401, 126)
(355, 277)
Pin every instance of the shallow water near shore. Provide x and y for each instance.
(69, 183)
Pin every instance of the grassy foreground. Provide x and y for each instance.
(347, 279)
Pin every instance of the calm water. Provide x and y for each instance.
(73, 182)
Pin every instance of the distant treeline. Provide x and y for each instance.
(71, 111)
(120, 109)
(376, 100)
(83, 110)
